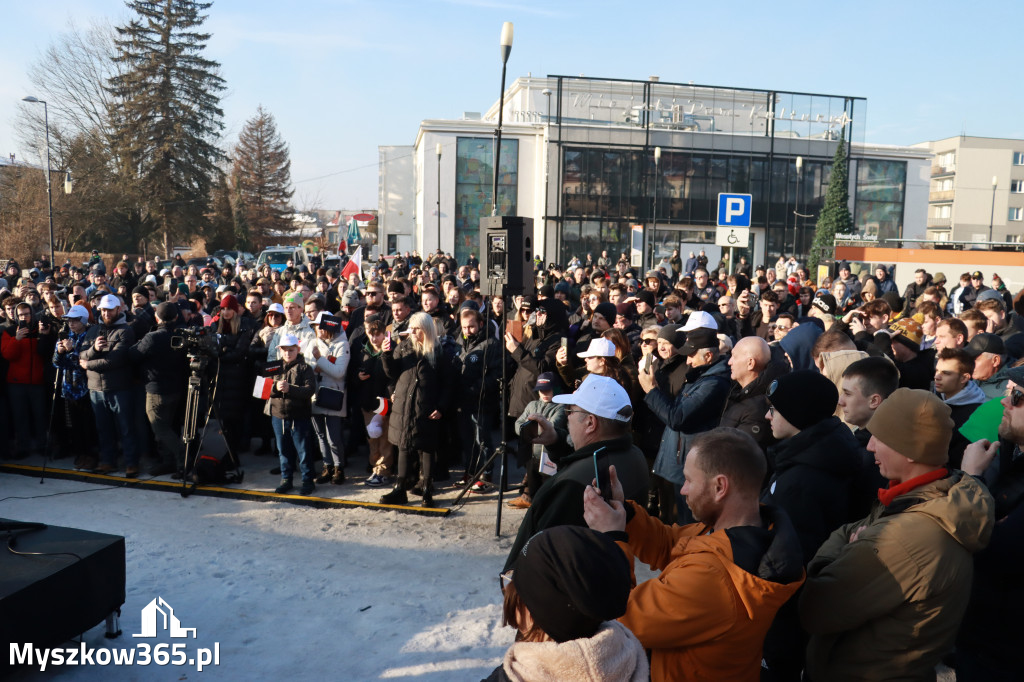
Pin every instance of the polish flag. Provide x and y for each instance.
(383, 407)
(261, 390)
(354, 264)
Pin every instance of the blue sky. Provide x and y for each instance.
(342, 77)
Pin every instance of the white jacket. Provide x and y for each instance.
(330, 368)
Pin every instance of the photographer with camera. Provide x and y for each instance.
(163, 369)
(74, 391)
(105, 359)
(26, 347)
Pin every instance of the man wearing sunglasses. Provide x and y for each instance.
(598, 417)
(885, 595)
(988, 646)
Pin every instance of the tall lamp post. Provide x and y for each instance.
(438, 150)
(654, 226)
(547, 166)
(796, 213)
(992, 215)
(506, 50)
(49, 201)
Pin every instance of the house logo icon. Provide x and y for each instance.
(158, 614)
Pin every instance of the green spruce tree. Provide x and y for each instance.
(835, 214)
(262, 178)
(243, 240)
(166, 113)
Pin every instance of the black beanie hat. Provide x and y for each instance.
(547, 291)
(572, 579)
(396, 287)
(607, 311)
(646, 296)
(141, 291)
(804, 397)
(674, 334)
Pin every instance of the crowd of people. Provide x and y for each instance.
(789, 456)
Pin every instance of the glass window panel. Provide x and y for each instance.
(474, 168)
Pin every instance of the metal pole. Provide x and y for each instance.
(654, 227)
(992, 215)
(506, 49)
(547, 172)
(49, 201)
(438, 149)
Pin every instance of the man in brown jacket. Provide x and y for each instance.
(885, 595)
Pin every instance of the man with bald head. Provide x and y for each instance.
(752, 372)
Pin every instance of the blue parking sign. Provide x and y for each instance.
(734, 210)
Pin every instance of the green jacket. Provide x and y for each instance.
(887, 605)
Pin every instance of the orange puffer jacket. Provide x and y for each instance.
(704, 617)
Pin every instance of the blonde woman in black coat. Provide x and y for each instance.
(421, 372)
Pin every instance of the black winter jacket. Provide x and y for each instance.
(376, 386)
(234, 383)
(164, 370)
(816, 481)
(559, 501)
(297, 403)
(747, 405)
(110, 369)
(422, 384)
(479, 366)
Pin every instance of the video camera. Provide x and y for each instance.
(195, 341)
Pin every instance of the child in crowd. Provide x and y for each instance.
(540, 467)
(291, 410)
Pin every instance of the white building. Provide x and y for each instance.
(578, 157)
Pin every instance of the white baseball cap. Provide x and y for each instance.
(602, 396)
(599, 348)
(275, 308)
(77, 312)
(698, 319)
(109, 302)
(288, 340)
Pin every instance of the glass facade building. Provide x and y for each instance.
(474, 183)
(712, 140)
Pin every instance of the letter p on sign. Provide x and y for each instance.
(734, 210)
(734, 206)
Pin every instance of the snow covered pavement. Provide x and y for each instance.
(289, 591)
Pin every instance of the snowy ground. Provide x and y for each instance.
(289, 591)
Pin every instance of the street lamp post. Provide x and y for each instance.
(547, 165)
(506, 50)
(796, 213)
(992, 215)
(654, 225)
(438, 150)
(49, 201)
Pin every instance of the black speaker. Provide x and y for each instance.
(506, 246)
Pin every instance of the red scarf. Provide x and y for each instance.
(887, 495)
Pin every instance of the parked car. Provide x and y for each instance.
(277, 257)
(201, 261)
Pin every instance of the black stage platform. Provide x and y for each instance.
(65, 582)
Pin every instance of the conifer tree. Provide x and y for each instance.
(262, 178)
(167, 114)
(835, 214)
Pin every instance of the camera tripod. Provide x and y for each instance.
(194, 399)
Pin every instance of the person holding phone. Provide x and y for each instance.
(722, 579)
(598, 417)
(27, 346)
(108, 367)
